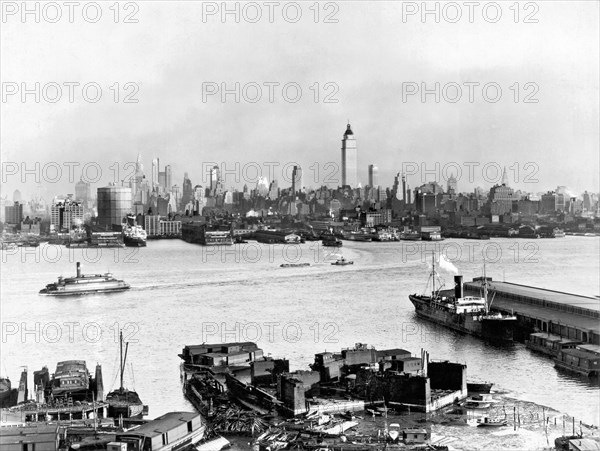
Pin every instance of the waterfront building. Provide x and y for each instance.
(35, 437)
(114, 203)
(13, 214)
(552, 202)
(66, 213)
(349, 159)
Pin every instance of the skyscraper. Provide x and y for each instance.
(349, 159)
(214, 179)
(155, 170)
(168, 178)
(296, 180)
(373, 175)
(83, 192)
(187, 194)
(452, 184)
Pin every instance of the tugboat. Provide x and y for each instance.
(342, 262)
(122, 402)
(468, 314)
(84, 284)
(331, 241)
(133, 234)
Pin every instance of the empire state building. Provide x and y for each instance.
(349, 159)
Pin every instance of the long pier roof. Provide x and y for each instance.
(559, 297)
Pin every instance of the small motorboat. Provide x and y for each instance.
(487, 423)
(342, 262)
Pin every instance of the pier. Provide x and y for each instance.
(537, 309)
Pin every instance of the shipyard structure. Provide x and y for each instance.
(348, 381)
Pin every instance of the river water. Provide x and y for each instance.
(188, 294)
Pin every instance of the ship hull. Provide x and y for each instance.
(491, 329)
(576, 369)
(87, 290)
(134, 242)
(479, 387)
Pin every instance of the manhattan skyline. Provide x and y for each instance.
(367, 75)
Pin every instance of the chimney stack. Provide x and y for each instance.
(458, 287)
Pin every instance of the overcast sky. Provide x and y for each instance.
(369, 57)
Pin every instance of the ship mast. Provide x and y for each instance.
(433, 272)
(122, 359)
(485, 289)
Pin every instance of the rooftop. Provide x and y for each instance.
(164, 423)
(559, 297)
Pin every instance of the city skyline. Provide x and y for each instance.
(171, 118)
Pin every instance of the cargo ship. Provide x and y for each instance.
(123, 402)
(133, 234)
(84, 284)
(467, 314)
(357, 236)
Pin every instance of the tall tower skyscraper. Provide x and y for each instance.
(296, 180)
(155, 170)
(373, 175)
(349, 159)
(504, 177)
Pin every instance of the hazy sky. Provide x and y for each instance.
(370, 56)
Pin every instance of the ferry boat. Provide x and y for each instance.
(134, 235)
(583, 359)
(169, 432)
(122, 402)
(410, 236)
(293, 265)
(431, 236)
(467, 314)
(84, 284)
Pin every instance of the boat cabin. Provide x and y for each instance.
(469, 304)
(549, 343)
(414, 436)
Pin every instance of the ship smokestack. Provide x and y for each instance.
(458, 287)
(78, 269)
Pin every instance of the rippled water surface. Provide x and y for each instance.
(187, 294)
